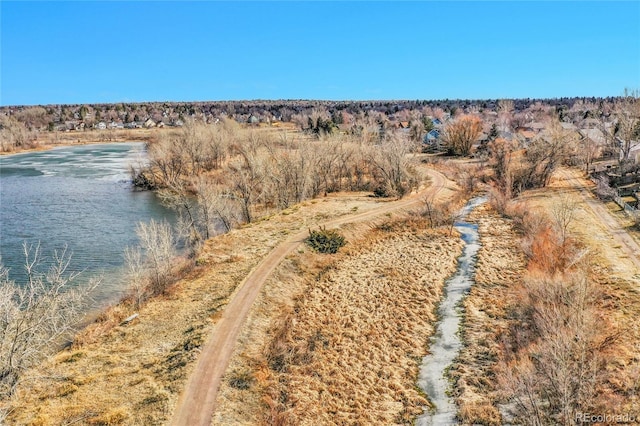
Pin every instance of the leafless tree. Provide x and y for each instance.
(391, 166)
(137, 275)
(627, 125)
(558, 373)
(247, 178)
(215, 206)
(14, 134)
(158, 245)
(563, 214)
(543, 156)
(36, 317)
(460, 135)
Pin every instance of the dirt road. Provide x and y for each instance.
(197, 402)
(626, 243)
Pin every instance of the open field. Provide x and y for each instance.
(339, 339)
(133, 374)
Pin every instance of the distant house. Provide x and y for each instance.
(432, 137)
(101, 125)
(253, 120)
(178, 123)
(590, 123)
(568, 126)
(594, 135)
(116, 125)
(149, 123)
(536, 126)
(403, 124)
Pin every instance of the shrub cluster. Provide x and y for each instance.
(325, 241)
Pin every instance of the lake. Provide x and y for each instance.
(78, 196)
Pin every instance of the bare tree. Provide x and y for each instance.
(392, 167)
(460, 135)
(627, 125)
(216, 206)
(36, 317)
(137, 275)
(247, 178)
(157, 242)
(563, 214)
(559, 371)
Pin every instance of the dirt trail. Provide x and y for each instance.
(196, 405)
(627, 244)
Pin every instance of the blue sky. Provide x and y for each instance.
(89, 52)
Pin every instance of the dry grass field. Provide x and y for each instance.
(133, 374)
(338, 339)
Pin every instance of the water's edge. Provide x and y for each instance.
(445, 344)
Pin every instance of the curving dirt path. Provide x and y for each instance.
(627, 244)
(196, 405)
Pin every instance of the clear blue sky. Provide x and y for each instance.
(86, 52)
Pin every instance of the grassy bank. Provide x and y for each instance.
(133, 373)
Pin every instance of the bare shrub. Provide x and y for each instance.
(15, 135)
(440, 214)
(392, 168)
(137, 276)
(157, 242)
(558, 371)
(460, 135)
(36, 317)
(500, 199)
(604, 191)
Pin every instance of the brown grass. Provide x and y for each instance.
(338, 339)
(500, 266)
(500, 295)
(134, 373)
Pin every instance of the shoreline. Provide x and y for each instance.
(44, 140)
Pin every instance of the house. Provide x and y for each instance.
(590, 123)
(536, 126)
(432, 137)
(149, 123)
(594, 135)
(403, 124)
(101, 125)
